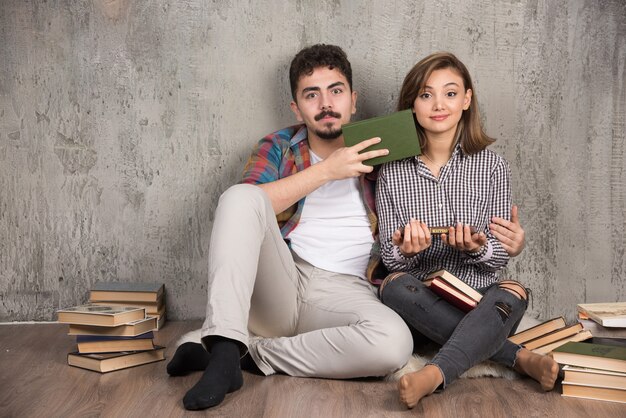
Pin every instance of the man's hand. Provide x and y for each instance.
(461, 238)
(347, 162)
(413, 239)
(343, 163)
(509, 233)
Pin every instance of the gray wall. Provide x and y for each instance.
(121, 122)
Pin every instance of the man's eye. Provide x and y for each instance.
(310, 95)
(337, 91)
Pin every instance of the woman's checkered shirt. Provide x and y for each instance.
(471, 189)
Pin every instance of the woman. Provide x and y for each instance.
(455, 181)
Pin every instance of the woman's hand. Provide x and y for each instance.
(414, 238)
(461, 238)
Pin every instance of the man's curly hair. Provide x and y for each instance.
(319, 55)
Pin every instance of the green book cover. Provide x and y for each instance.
(594, 350)
(397, 132)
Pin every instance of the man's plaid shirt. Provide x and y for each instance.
(286, 152)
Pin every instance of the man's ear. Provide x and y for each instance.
(296, 111)
(354, 96)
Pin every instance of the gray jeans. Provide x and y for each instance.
(314, 322)
(466, 338)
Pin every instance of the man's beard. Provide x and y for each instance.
(330, 133)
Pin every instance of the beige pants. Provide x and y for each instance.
(314, 322)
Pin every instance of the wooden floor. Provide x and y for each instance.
(35, 381)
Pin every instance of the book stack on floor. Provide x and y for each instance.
(110, 337)
(593, 371)
(548, 335)
(453, 289)
(596, 367)
(604, 320)
(150, 296)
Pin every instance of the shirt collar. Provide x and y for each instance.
(300, 136)
(457, 151)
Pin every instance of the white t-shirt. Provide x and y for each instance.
(334, 233)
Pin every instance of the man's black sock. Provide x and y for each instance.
(249, 365)
(221, 376)
(189, 357)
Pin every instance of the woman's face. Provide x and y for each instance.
(439, 105)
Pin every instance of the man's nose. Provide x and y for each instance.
(325, 102)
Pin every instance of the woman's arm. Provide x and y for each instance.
(389, 222)
(493, 256)
(484, 250)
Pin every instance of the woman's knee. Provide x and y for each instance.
(510, 300)
(514, 288)
(398, 286)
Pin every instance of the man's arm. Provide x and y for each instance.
(509, 233)
(343, 163)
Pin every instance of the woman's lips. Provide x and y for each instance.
(439, 118)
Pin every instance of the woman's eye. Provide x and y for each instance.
(425, 95)
(451, 93)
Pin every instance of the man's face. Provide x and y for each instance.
(324, 102)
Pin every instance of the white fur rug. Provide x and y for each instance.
(417, 361)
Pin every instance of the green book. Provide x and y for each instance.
(594, 356)
(397, 132)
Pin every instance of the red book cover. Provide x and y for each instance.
(452, 295)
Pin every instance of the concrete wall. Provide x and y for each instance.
(122, 121)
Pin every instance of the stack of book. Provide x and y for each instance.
(593, 371)
(150, 296)
(453, 290)
(110, 337)
(548, 335)
(606, 320)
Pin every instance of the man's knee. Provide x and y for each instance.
(247, 197)
(242, 192)
(395, 348)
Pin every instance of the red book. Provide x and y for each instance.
(451, 294)
(455, 282)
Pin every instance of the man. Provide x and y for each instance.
(290, 249)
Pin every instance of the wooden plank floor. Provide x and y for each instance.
(35, 381)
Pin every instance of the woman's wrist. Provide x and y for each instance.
(399, 255)
(478, 251)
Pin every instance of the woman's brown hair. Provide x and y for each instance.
(470, 132)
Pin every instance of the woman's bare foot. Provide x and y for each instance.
(541, 368)
(414, 386)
